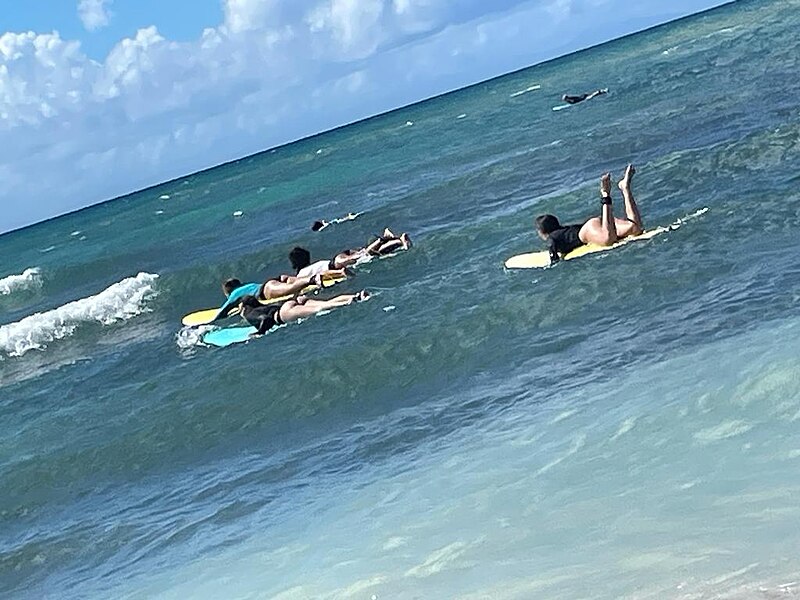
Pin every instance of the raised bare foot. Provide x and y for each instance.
(605, 184)
(406, 241)
(625, 182)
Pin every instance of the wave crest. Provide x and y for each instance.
(27, 279)
(118, 302)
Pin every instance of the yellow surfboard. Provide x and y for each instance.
(205, 317)
(540, 260)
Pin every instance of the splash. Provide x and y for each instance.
(120, 301)
(29, 278)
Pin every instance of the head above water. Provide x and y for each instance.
(317, 225)
(547, 224)
(230, 285)
(300, 258)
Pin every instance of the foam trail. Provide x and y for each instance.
(27, 279)
(118, 302)
(530, 88)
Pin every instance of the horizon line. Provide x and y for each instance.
(363, 119)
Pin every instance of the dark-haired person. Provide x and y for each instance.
(575, 99)
(604, 230)
(300, 259)
(264, 318)
(285, 285)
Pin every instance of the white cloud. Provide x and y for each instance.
(94, 14)
(76, 131)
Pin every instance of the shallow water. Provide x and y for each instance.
(618, 426)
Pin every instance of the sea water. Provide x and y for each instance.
(621, 426)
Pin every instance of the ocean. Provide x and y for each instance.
(620, 426)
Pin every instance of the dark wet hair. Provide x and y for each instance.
(317, 225)
(300, 258)
(250, 302)
(230, 285)
(547, 224)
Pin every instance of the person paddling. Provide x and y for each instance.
(264, 318)
(575, 99)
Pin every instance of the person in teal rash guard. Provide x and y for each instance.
(285, 285)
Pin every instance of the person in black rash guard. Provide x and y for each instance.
(561, 239)
(604, 230)
(575, 99)
(264, 318)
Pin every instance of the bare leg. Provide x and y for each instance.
(391, 246)
(292, 310)
(351, 257)
(277, 289)
(607, 217)
(631, 209)
(603, 230)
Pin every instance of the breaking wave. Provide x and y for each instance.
(120, 301)
(13, 283)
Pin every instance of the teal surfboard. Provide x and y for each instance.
(229, 336)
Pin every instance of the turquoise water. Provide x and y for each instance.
(623, 426)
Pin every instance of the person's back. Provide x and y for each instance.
(561, 239)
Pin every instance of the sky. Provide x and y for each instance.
(99, 98)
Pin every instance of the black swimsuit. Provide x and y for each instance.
(563, 241)
(264, 318)
(575, 99)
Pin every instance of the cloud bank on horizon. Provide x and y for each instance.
(77, 130)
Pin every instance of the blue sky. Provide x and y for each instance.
(102, 97)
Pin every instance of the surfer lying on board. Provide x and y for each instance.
(604, 230)
(285, 285)
(388, 242)
(264, 318)
(575, 99)
(320, 225)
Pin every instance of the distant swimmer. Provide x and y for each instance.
(604, 230)
(264, 318)
(320, 225)
(575, 99)
(386, 243)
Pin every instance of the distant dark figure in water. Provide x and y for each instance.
(575, 99)
(320, 225)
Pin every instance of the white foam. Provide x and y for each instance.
(530, 88)
(27, 279)
(190, 337)
(118, 302)
(164, 197)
